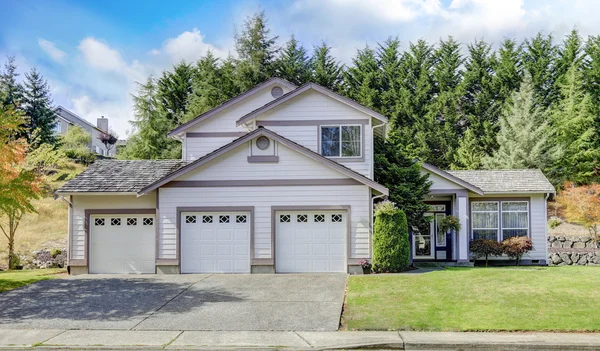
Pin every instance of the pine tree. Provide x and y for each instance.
(174, 89)
(509, 70)
(325, 70)
(361, 80)
(256, 51)
(469, 154)
(539, 60)
(388, 55)
(591, 79)
(11, 92)
(151, 126)
(524, 136)
(293, 63)
(573, 123)
(37, 106)
(569, 54)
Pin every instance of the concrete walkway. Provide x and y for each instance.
(266, 340)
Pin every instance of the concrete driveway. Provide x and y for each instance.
(310, 302)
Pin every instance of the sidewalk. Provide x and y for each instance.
(221, 340)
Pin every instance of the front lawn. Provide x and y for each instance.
(14, 279)
(477, 299)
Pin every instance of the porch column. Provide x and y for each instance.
(463, 238)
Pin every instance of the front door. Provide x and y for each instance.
(423, 248)
(434, 244)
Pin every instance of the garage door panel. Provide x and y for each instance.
(122, 244)
(313, 241)
(215, 243)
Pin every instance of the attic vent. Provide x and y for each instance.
(276, 92)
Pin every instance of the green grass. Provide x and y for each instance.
(14, 279)
(477, 299)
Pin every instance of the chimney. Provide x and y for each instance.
(102, 124)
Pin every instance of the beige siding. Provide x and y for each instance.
(198, 147)
(262, 198)
(234, 166)
(87, 202)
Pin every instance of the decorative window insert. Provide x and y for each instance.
(515, 219)
(131, 221)
(241, 219)
(284, 218)
(115, 221)
(302, 218)
(341, 141)
(484, 217)
(223, 219)
(336, 218)
(207, 219)
(148, 221)
(319, 218)
(190, 219)
(98, 221)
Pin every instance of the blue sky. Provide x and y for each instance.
(93, 53)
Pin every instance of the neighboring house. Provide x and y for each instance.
(66, 118)
(278, 179)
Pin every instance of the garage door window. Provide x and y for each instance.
(319, 218)
(207, 219)
(302, 218)
(240, 219)
(223, 219)
(131, 221)
(284, 218)
(115, 221)
(336, 218)
(190, 219)
(98, 221)
(148, 221)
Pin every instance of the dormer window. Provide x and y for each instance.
(341, 141)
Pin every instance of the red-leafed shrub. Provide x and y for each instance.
(485, 248)
(516, 247)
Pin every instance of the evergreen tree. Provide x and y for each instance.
(293, 63)
(174, 89)
(539, 60)
(524, 136)
(478, 104)
(37, 106)
(571, 53)
(256, 51)
(388, 55)
(11, 92)
(509, 70)
(591, 79)
(361, 80)
(573, 122)
(325, 70)
(151, 126)
(469, 154)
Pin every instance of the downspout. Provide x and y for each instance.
(372, 220)
(69, 228)
(372, 170)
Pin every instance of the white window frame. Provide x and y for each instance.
(339, 126)
(497, 222)
(499, 227)
(502, 214)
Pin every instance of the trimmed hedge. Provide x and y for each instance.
(391, 252)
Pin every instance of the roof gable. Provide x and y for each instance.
(231, 102)
(286, 142)
(443, 174)
(313, 87)
(73, 118)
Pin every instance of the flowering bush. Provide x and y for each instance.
(366, 265)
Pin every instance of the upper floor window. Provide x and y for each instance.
(341, 141)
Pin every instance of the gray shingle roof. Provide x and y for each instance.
(120, 175)
(507, 181)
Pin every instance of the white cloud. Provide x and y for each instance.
(154, 52)
(100, 55)
(50, 48)
(118, 112)
(189, 46)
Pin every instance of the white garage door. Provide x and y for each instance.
(122, 244)
(213, 242)
(311, 241)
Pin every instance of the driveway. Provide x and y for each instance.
(311, 302)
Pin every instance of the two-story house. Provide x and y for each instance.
(65, 119)
(277, 179)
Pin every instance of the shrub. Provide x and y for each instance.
(391, 252)
(16, 262)
(55, 252)
(516, 247)
(554, 222)
(485, 248)
(450, 223)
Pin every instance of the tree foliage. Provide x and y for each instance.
(581, 205)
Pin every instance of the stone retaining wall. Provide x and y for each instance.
(570, 250)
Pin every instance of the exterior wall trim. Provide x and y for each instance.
(312, 122)
(179, 210)
(275, 209)
(259, 182)
(115, 211)
(215, 134)
(457, 192)
(263, 159)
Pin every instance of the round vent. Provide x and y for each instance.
(262, 143)
(276, 92)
